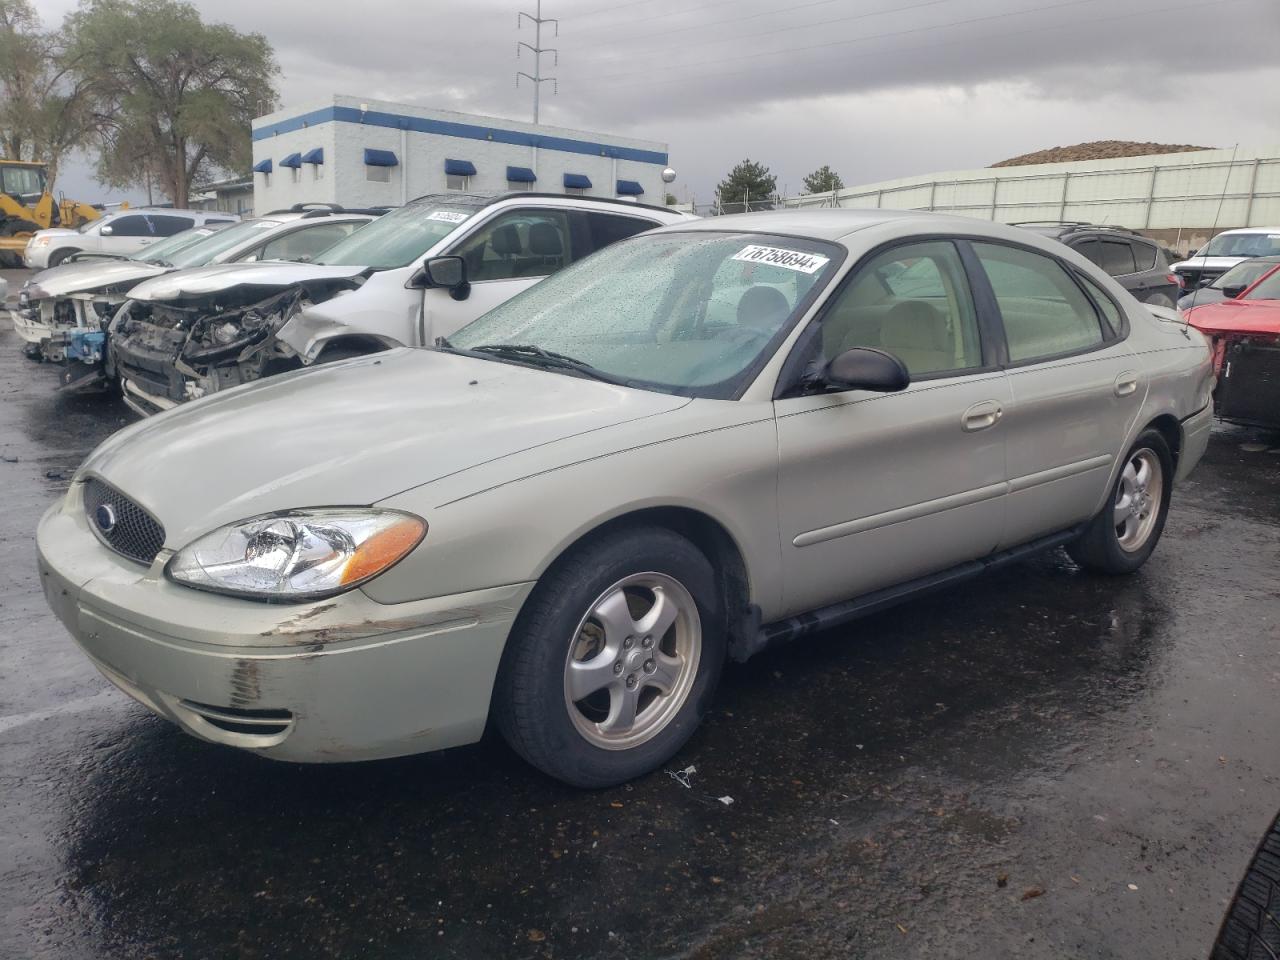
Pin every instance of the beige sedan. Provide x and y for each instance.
(694, 443)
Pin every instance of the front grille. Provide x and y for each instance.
(120, 523)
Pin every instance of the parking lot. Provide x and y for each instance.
(1041, 764)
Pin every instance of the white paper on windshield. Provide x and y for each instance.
(778, 257)
(266, 224)
(448, 216)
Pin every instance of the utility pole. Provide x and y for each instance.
(537, 49)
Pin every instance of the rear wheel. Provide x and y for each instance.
(1123, 535)
(613, 660)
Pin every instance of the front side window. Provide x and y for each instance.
(520, 243)
(1045, 313)
(403, 235)
(1245, 274)
(912, 301)
(1267, 289)
(134, 226)
(691, 313)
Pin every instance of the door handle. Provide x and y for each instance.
(1126, 383)
(981, 415)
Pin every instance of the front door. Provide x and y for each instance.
(1076, 388)
(505, 255)
(876, 489)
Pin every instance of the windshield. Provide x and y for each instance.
(1241, 245)
(1243, 273)
(400, 237)
(688, 313)
(1268, 289)
(203, 252)
(163, 251)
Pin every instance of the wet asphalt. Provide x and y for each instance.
(1041, 764)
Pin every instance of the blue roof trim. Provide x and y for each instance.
(292, 160)
(314, 156)
(465, 131)
(521, 175)
(459, 168)
(577, 181)
(262, 166)
(380, 158)
(629, 188)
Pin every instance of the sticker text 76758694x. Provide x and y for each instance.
(796, 260)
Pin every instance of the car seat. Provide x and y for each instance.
(546, 248)
(763, 308)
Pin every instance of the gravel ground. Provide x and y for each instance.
(1043, 764)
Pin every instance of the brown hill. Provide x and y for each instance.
(1097, 150)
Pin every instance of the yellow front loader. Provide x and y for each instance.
(27, 206)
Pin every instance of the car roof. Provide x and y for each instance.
(132, 211)
(488, 199)
(1248, 230)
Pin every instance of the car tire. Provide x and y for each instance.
(1121, 537)
(1250, 928)
(58, 256)
(592, 608)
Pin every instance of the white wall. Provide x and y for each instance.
(421, 156)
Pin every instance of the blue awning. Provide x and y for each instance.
(380, 158)
(292, 160)
(314, 156)
(459, 168)
(521, 175)
(629, 188)
(576, 181)
(262, 166)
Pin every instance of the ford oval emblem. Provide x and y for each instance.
(105, 518)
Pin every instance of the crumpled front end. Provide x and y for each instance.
(169, 352)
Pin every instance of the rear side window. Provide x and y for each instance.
(1110, 312)
(1117, 257)
(1045, 313)
(604, 229)
(1144, 256)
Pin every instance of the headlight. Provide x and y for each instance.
(42, 241)
(32, 291)
(299, 555)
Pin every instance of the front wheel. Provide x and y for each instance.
(1121, 537)
(58, 256)
(613, 660)
(1250, 928)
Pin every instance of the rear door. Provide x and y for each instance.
(1075, 385)
(879, 488)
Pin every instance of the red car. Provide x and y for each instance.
(1245, 335)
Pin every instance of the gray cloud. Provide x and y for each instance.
(878, 91)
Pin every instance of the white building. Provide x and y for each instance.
(367, 153)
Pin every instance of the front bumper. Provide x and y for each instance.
(32, 331)
(334, 680)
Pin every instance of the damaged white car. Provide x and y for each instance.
(63, 313)
(192, 333)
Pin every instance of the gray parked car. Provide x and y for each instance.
(694, 443)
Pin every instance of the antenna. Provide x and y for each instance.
(1213, 230)
(537, 49)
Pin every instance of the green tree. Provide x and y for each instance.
(749, 186)
(823, 180)
(173, 95)
(44, 110)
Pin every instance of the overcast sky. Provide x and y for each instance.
(875, 88)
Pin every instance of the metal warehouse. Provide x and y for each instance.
(374, 153)
(1179, 198)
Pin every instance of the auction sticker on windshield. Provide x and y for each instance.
(448, 216)
(777, 256)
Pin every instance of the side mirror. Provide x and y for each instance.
(863, 368)
(106, 230)
(1234, 290)
(448, 273)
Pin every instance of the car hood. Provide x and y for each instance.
(1237, 316)
(93, 274)
(201, 281)
(1208, 263)
(351, 433)
(55, 232)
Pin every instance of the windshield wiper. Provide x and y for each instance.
(538, 357)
